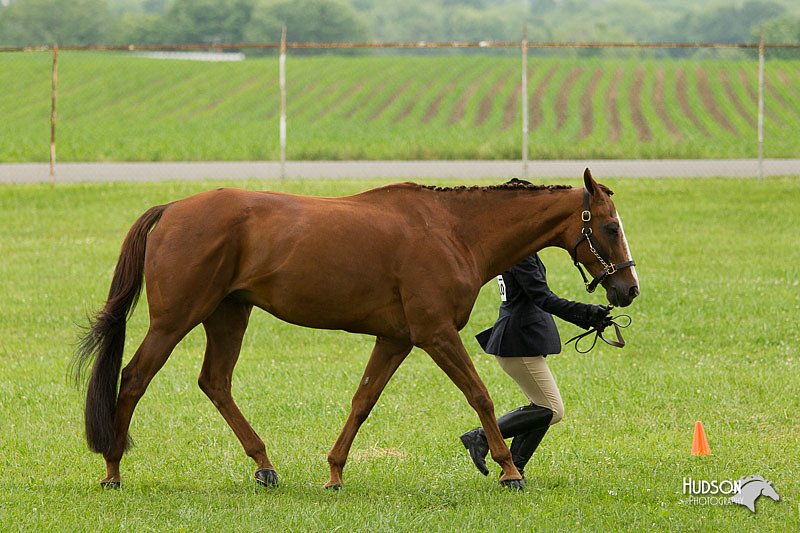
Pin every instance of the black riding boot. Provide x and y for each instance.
(523, 446)
(520, 422)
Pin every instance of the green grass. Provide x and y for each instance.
(114, 107)
(714, 338)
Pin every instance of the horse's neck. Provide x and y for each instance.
(502, 227)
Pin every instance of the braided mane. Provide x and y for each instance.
(513, 184)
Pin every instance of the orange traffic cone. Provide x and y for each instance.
(699, 441)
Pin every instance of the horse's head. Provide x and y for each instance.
(769, 491)
(750, 489)
(601, 247)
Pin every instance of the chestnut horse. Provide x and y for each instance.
(403, 262)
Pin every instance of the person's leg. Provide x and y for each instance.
(536, 382)
(527, 424)
(514, 424)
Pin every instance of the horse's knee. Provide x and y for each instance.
(336, 460)
(256, 449)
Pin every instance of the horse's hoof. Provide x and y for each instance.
(111, 485)
(267, 477)
(333, 486)
(515, 484)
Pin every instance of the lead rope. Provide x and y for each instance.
(609, 321)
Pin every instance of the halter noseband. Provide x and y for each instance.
(609, 268)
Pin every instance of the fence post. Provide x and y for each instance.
(282, 83)
(524, 100)
(53, 102)
(761, 107)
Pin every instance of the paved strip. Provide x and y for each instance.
(93, 172)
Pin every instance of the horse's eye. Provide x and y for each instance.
(612, 229)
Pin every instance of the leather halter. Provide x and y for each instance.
(609, 268)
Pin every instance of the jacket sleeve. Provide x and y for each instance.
(530, 273)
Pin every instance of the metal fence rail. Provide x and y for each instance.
(400, 45)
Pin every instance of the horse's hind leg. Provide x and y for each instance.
(386, 357)
(224, 332)
(136, 376)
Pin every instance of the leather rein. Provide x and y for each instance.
(609, 268)
(598, 331)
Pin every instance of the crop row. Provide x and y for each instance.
(118, 107)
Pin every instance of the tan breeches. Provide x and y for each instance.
(537, 383)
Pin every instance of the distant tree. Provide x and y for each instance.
(208, 21)
(782, 30)
(729, 24)
(143, 28)
(540, 6)
(121, 7)
(411, 20)
(474, 4)
(306, 21)
(154, 5)
(471, 24)
(38, 22)
(785, 30)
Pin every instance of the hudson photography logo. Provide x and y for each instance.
(743, 492)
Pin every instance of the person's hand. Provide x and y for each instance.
(598, 316)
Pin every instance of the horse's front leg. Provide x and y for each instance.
(386, 357)
(445, 347)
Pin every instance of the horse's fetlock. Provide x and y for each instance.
(335, 460)
(257, 453)
(502, 456)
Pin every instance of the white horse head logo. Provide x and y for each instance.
(750, 488)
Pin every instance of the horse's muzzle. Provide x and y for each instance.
(622, 295)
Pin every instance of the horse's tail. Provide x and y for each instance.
(104, 340)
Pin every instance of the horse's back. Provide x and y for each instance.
(320, 262)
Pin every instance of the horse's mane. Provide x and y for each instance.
(513, 184)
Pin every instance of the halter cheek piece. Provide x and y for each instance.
(609, 268)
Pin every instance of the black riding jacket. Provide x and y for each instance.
(525, 325)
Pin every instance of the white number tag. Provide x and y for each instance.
(502, 285)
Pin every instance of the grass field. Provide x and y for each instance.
(714, 338)
(121, 108)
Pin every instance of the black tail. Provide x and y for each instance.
(105, 339)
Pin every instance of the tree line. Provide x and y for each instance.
(86, 22)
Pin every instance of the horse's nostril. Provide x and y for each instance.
(634, 291)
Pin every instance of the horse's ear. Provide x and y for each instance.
(588, 181)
